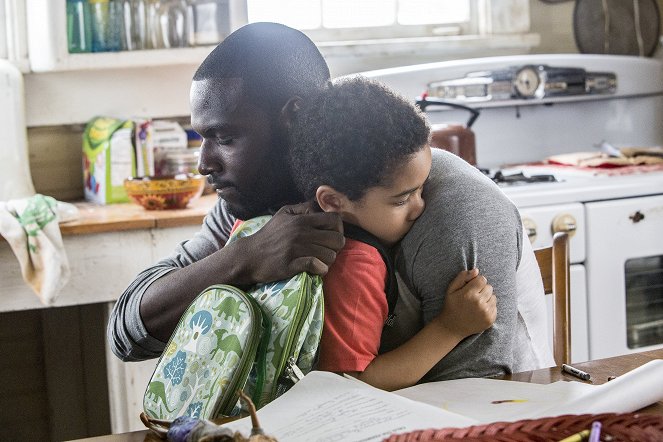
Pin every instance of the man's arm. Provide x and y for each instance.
(291, 242)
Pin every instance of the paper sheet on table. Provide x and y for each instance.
(629, 392)
(327, 407)
(493, 400)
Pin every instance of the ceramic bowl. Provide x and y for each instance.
(164, 192)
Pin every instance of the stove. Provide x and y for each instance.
(518, 178)
(535, 107)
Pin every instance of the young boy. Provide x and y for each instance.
(362, 151)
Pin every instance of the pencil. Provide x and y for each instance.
(578, 437)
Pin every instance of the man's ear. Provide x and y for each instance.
(289, 110)
(330, 200)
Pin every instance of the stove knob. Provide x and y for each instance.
(564, 223)
(530, 228)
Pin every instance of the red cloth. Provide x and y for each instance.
(355, 309)
(238, 222)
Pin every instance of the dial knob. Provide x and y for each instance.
(527, 81)
(530, 228)
(564, 223)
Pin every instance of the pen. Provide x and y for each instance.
(578, 437)
(595, 434)
(575, 372)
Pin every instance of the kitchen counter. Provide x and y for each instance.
(106, 247)
(128, 216)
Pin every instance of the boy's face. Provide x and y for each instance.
(243, 152)
(389, 212)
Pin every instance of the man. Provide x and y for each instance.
(240, 97)
(470, 223)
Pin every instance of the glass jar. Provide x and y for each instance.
(174, 17)
(185, 161)
(135, 24)
(210, 21)
(107, 25)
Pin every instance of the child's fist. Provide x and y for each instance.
(470, 306)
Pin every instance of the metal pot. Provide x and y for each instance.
(453, 137)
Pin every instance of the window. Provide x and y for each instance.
(329, 20)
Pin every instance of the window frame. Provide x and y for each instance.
(4, 52)
(14, 40)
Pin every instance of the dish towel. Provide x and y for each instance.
(30, 226)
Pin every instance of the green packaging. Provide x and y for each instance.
(108, 159)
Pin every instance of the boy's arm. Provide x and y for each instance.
(469, 309)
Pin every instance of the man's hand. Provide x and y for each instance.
(294, 240)
(297, 239)
(469, 306)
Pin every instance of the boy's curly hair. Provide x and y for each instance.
(352, 136)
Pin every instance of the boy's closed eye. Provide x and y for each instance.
(403, 201)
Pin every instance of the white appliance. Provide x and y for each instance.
(15, 181)
(626, 237)
(535, 106)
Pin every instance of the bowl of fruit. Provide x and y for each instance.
(164, 192)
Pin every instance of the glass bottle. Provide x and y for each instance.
(210, 21)
(135, 24)
(154, 38)
(174, 20)
(79, 26)
(107, 25)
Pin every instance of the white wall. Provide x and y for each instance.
(73, 97)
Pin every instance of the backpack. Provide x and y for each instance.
(261, 341)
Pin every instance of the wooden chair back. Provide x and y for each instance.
(554, 265)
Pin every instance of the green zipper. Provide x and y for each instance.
(230, 398)
(294, 333)
(261, 358)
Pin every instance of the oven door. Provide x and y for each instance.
(625, 275)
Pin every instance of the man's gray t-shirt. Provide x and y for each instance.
(468, 222)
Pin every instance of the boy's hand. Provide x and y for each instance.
(469, 306)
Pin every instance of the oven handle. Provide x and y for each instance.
(424, 101)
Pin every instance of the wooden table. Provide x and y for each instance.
(600, 370)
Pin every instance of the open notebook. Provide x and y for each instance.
(327, 407)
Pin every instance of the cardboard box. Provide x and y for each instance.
(108, 159)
